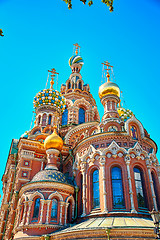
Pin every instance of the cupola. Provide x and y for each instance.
(109, 94)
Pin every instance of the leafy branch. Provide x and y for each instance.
(1, 33)
(109, 3)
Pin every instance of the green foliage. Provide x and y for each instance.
(1, 33)
(109, 3)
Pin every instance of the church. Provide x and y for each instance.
(74, 176)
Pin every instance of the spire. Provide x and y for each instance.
(53, 74)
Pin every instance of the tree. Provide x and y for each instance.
(1, 33)
(109, 3)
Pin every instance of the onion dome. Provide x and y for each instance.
(50, 175)
(53, 141)
(124, 114)
(50, 97)
(109, 88)
(75, 59)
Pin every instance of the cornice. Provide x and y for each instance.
(44, 185)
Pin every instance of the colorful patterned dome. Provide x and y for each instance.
(124, 114)
(53, 141)
(50, 97)
(75, 59)
(50, 175)
(109, 88)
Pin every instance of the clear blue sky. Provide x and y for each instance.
(40, 34)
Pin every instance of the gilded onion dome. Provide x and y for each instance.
(109, 88)
(53, 141)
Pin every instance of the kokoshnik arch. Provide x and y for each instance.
(73, 176)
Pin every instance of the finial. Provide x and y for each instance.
(53, 73)
(77, 48)
(107, 64)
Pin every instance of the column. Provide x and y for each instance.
(42, 163)
(127, 159)
(18, 215)
(65, 217)
(151, 184)
(41, 212)
(28, 212)
(84, 189)
(47, 215)
(40, 120)
(60, 215)
(102, 161)
(24, 213)
(47, 119)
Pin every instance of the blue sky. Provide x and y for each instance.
(39, 35)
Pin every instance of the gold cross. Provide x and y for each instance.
(53, 74)
(77, 48)
(107, 64)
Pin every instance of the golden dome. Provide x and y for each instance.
(53, 141)
(109, 88)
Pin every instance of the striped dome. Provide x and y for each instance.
(75, 59)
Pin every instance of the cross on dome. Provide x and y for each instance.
(109, 67)
(76, 48)
(53, 74)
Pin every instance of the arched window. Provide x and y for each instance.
(54, 208)
(117, 188)
(36, 208)
(139, 188)
(49, 120)
(81, 115)
(155, 189)
(65, 117)
(44, 119)
(95, 189)
(69, 85)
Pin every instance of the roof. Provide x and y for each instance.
(110, 222)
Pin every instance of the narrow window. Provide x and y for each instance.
(81, 115)
(80, 85)
(65, 117)
(80, 196)
(44, 119)
(36, 208)
(95, 189)
(69, 85)
(139, 188)
(54, 208)
(117, 188)
(39, 120)
(69, 213)
(49, 120)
